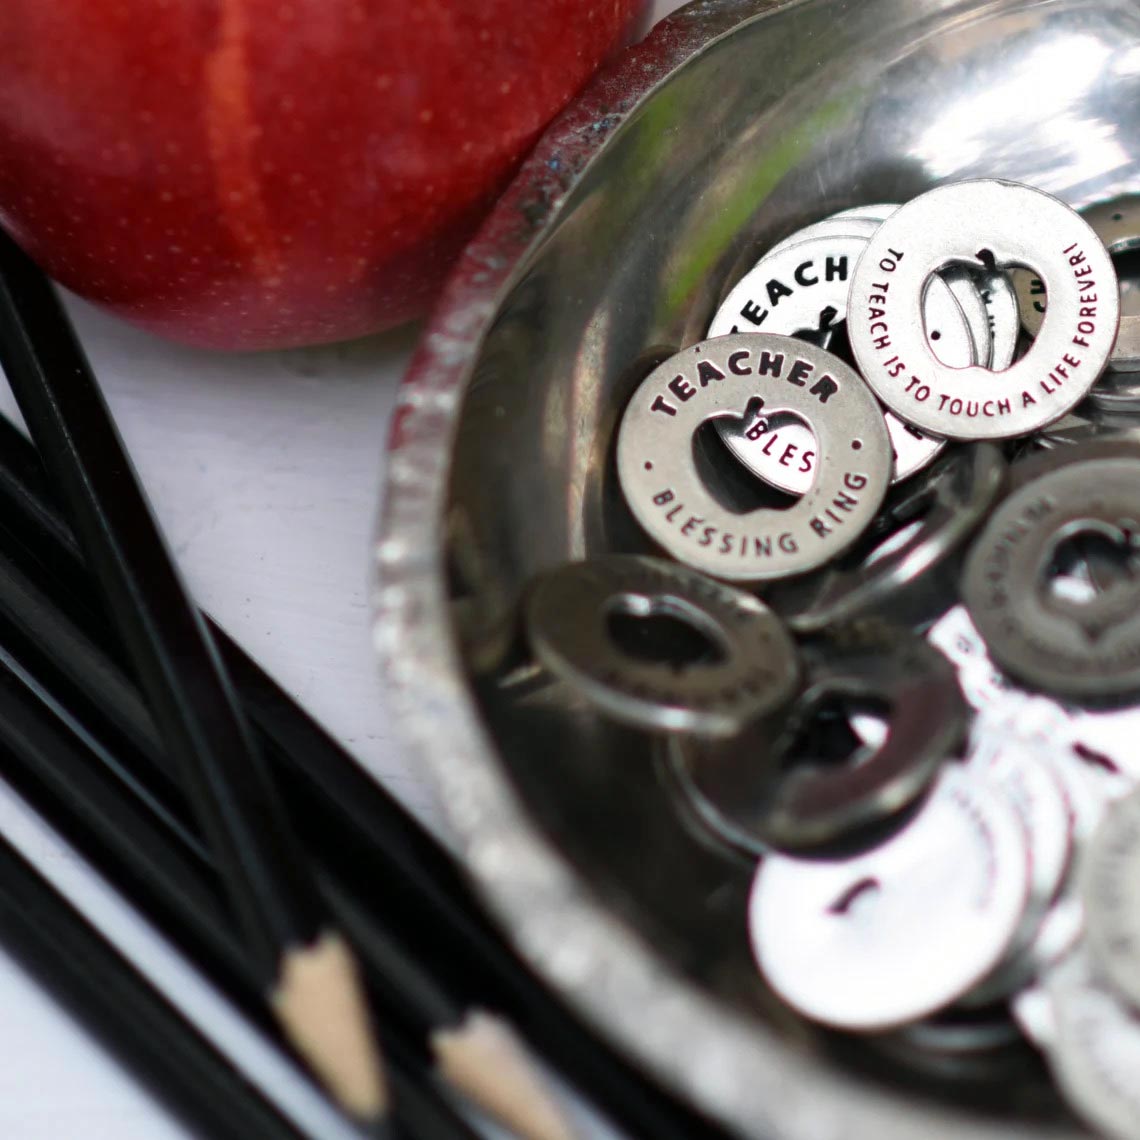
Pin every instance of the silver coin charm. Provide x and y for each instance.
(756, 794)
(908, 563)
(956, 1044)
(971, 307)
(738, 376)
(1090, 421)
(995, 289)
(1012, 225)
(901, 931)
(752, 667)
(971, 310)
(847, 223)
(803, 288)
(1088, 648)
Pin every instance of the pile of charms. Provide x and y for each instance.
(981, 442)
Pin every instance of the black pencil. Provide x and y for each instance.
(193, 920)
(477, 1051)
(155, 859)
(353, 824)
(141, 841)
(224, 1080)
(310, 973)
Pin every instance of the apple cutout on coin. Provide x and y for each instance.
(265, 173)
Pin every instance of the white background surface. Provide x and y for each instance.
(264, 471)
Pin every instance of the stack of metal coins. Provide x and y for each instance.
(890, 642)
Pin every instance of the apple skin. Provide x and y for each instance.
(267, 173)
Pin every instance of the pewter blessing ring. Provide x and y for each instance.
(967, 296)
(729, 376)
(803, 286)
(998, 296)
(1117, 223)
(1090, 649)
(567, 615)
(1018, 225)
(965, 293)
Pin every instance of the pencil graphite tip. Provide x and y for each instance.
(320, 1003)
(483, 1058)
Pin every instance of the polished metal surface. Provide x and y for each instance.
(908, 564)
(740, 377)
(736, 124)
(768, 788)
(721, 659)
(802, 287)
(1033, 784)
(1086, 646)
(984, 222)
(898, 932)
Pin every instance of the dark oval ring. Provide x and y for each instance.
(567, 616)
(746, 790)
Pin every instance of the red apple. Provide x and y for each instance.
(264, 173)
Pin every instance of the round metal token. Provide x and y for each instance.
(1090, 421)
(1088, 797)
(894, 934)
(754, 790)
(1110, 888)
(803, 289)
(994, 288)
(1087, 648)
(740, 376)
(958, 1045)
(958, 281)
(736, 660)
(1119, 391)
(988, 223)
(972, 309)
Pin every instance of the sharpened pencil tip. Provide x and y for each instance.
(320, 1003)
(483, 1058)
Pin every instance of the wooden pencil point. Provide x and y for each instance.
(484, 1059)
(320, 1002)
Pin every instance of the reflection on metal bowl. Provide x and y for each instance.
(733, 125)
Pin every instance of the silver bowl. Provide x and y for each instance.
(735, 123)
